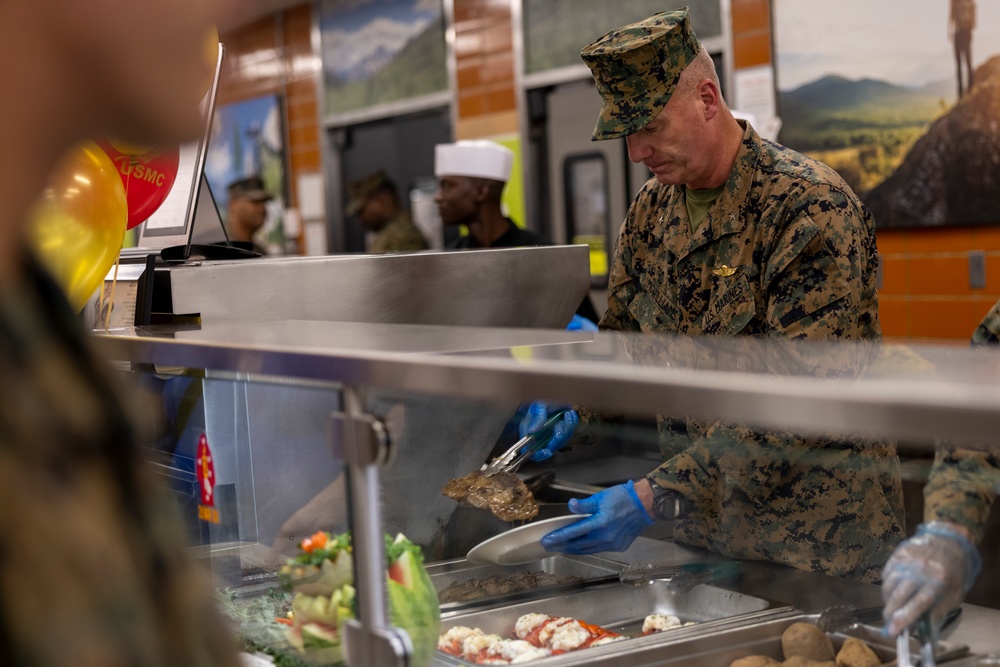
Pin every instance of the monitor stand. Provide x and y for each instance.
(196, 252)
(206, 218)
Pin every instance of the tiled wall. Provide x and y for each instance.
(751, 26)
(925, 292)
(484, 68)
(275, 55)
(925, 289)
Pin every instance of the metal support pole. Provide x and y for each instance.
(361, 441)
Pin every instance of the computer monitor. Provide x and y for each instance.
(174, 222)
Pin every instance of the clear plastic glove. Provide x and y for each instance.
(930, 572)
(580, 323)
(617, 518)
(536, 416)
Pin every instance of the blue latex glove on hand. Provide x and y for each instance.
(617, 518)
(580, 323)
(930, 572)
(536, 416)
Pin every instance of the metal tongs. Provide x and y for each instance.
(680, 578)
(839, 618)
(925, 635)
(522, 450)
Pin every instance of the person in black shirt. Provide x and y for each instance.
(471, 178)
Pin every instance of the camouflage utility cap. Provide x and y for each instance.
(636, 69)
(359, 191)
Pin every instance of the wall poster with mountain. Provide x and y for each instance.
(555, 30)
(884, 93)
(377, 52)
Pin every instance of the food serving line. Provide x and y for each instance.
(456, 380)
(741, 616)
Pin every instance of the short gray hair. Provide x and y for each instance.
(699, 69)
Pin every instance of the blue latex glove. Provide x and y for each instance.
(536, 416)
(930, 572)
(580, 323)
(617, 518)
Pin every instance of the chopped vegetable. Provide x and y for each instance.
(317, 541)
(321, 576)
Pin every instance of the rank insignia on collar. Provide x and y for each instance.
(724, 271)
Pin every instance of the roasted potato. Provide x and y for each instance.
(807, 641)
(856, 653)
(799, 661)
(755, 661)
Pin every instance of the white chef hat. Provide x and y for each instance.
(481, 159)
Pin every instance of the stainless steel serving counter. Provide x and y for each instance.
(810, 592)
(921, 394)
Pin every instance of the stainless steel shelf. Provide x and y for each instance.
(918, 394)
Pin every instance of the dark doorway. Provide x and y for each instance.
(403, 146)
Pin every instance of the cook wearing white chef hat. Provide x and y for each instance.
(477, 159)
(471, 178)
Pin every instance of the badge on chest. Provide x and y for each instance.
(731, 305)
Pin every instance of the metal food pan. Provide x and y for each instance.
(719, 649)
(992, 660)
(587, 568)
(617, 607)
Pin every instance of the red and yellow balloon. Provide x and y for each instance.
(211, 55)
(77, 228)
(147, 174)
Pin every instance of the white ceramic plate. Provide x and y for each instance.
(520, 545)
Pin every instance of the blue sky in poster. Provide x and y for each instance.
(362, 36)
(227, 162)
(904, 42)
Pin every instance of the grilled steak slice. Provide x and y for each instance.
(503, 494)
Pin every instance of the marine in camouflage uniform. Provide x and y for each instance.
(398, 235)
(988, 331)
(963, 482)
(92, 570)
(375, 201)
(787, 250)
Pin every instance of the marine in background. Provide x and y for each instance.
(247, 211)
(375, 201)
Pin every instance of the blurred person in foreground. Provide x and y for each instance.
(932, 571)
(247, 211)
(734, 236)
(375, 201)
(92, 571)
